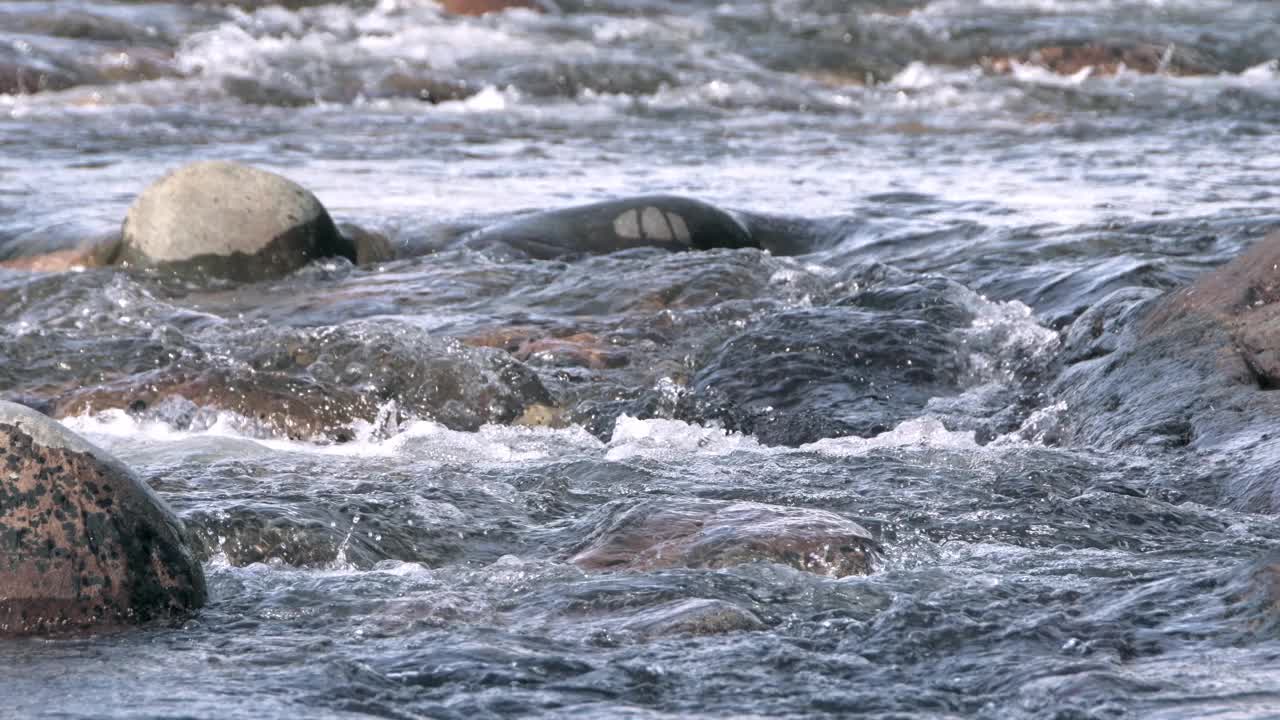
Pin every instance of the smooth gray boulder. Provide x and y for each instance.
(229, 220)
(83, 542)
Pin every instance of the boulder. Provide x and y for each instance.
(1191, 370)
(84, 543)
(717, 534)
(231, 221)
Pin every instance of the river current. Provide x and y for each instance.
(963, 203)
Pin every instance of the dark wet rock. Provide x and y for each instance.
(661, 221)
(581, 349)
(874, 359)
(1192, 369)
(229, 220)
(370, 246)
(22, 75)
(424, 83)
(433, 378)
(718, 534)
(83, 542)
(316, 384)
(1098, 330)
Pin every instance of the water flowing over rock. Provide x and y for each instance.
(83, 542)
(317, 385)
(718, 534)
(1190, 370)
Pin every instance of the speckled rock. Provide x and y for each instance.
(718, 534)
(229, 220)
(83, 542)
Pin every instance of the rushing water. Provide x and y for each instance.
(962, 209)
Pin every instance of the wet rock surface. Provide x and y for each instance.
(83, 542)
(1190, 370)
(319, 385)
(873, 359)
(717, 534)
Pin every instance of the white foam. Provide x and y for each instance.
(1003, 336)
(664, 439)
(425, 440)
(925, 432)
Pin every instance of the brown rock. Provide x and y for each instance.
(97, 255)
(717, 534)
(483, 7)
(283, 405)
(83, 542)
(1241, 296)
(580, 349)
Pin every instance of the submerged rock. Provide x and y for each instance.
(718, 534)
(83, 542)
(229, 220)
(860, 367)
(269, 403)
(696, 616)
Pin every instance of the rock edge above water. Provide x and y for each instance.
(84, 543)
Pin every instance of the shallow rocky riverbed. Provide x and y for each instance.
(972, 422)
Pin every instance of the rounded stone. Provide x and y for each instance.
(83, 542)
(229, 220)
(713, 534)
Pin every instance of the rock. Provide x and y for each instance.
(370, 246)
(1107, 58)
(717, 534)
(859, 367)
(659, 221)
(270, 403)
(696, 616)
(313, 384)
(483, 7)
(229, 220)
(1188, 370)
(83, 542)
